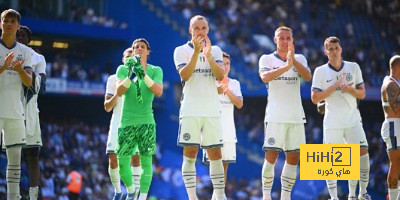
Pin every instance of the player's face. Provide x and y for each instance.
(283, 39)
(227, 65)
(333, 51)
(9, 25)
(127, 54)
(140, 49)
(199, 28)
(22, 37)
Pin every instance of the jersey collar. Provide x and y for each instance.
(4, 44)
(334, 69)
(277, 56)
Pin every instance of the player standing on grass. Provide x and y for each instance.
(284, 115)
(199, 64)
(138, 82)
(391, 126)
(340, 84)
(15, 71)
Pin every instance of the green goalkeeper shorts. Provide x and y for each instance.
(142, 136)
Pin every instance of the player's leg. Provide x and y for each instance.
(393, 174)
(146, 135)
(32, 158)
(14, 138)
(212, 141)
(295, 137)
(136, 171)
(126, 148)
(356, 135)
(113, 169)
(31, 152)
(273, 144)
(333, 136)
(189, 138)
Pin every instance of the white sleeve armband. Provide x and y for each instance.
(127, 82)
(148, 81)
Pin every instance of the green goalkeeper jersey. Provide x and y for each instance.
(136, 112)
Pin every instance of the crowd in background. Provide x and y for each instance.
(312, 21)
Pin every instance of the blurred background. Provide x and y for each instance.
(83, 41)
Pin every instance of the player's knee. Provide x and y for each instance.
(214, 153)
(135, 161)
(190, 151)
(31, 152)
(363, 151)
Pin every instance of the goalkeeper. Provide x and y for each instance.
(138, 82)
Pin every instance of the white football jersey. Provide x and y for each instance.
(38, 63)
(117, 110)
(199, 96)
(10, 82)
(341, 109)
(227, 108)
(284, 100)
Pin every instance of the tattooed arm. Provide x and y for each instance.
(392, 92)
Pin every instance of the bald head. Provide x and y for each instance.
(197, 17)
(394, 61)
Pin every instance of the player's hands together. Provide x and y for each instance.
(221, 88)
(8, 59)
(346, 87)
(289, 59)
(18, 66)
(340, 80)
(207, 47)
(198, 42)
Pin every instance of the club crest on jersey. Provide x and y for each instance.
(19, 58)
(349, 77)
(186, 136)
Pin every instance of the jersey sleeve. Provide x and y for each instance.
(216, 53)
(263, 63)
(122, 72)
(41, 65)
(235, 88)
(28, 58)
(158, 75)
(359, 79)
(180, 58)
(317, 80)
(110, 86)
(303, 61)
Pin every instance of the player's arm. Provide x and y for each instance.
(25, 73)
(123, 86)
(237, 101)
(392, 92)
(155, 85)
(110, 101)
(318, 95)
(186, 71)
(357, 92)
(269, 75)
(216, 68)
(304, 72)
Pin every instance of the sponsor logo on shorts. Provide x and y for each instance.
(271, 141)
(186, 136)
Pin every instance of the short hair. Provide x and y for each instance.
(197, 17)
(11, 13)
(27, 30)
(394, 61)
(283, 28)
(331, 39)
(127, 51)
(226, 55)
(141, 40)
